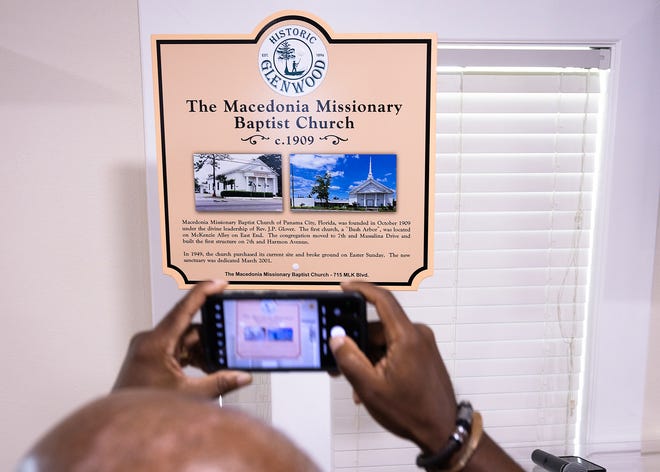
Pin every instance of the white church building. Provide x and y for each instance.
(371, 193)
(234, 172)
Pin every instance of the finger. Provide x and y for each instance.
(389, 311)
(218, 383)
(191, 344)
(353, 363)
(177, 320)
(376, 332)
(187, 342)
(376, 342)
(356, 398)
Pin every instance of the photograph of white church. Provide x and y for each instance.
(237, 182)
(371, 193)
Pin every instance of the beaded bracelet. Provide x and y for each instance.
(473, 443)
(455, 442)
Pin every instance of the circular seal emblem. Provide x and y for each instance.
(293, 60)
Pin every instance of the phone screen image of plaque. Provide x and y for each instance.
(272, 333)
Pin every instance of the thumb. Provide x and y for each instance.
(353, 363)
(218, 383)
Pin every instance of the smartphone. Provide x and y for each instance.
(590, 466)
(273, 330)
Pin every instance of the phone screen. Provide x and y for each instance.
(279, 331)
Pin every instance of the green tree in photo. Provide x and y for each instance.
(322, 187)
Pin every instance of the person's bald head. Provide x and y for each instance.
(162, 431)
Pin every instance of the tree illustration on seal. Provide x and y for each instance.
(285, 53)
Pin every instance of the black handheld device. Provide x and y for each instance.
(554, 463)
(590, 466)
(273, 330)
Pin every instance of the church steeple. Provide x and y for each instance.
(370, 176)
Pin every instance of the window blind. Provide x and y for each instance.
(514, 185)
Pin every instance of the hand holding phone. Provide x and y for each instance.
(156, 358)
(271, 330)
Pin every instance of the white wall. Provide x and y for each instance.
(74, 251)
(651, 423)
(624, 247)
(73, 233)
